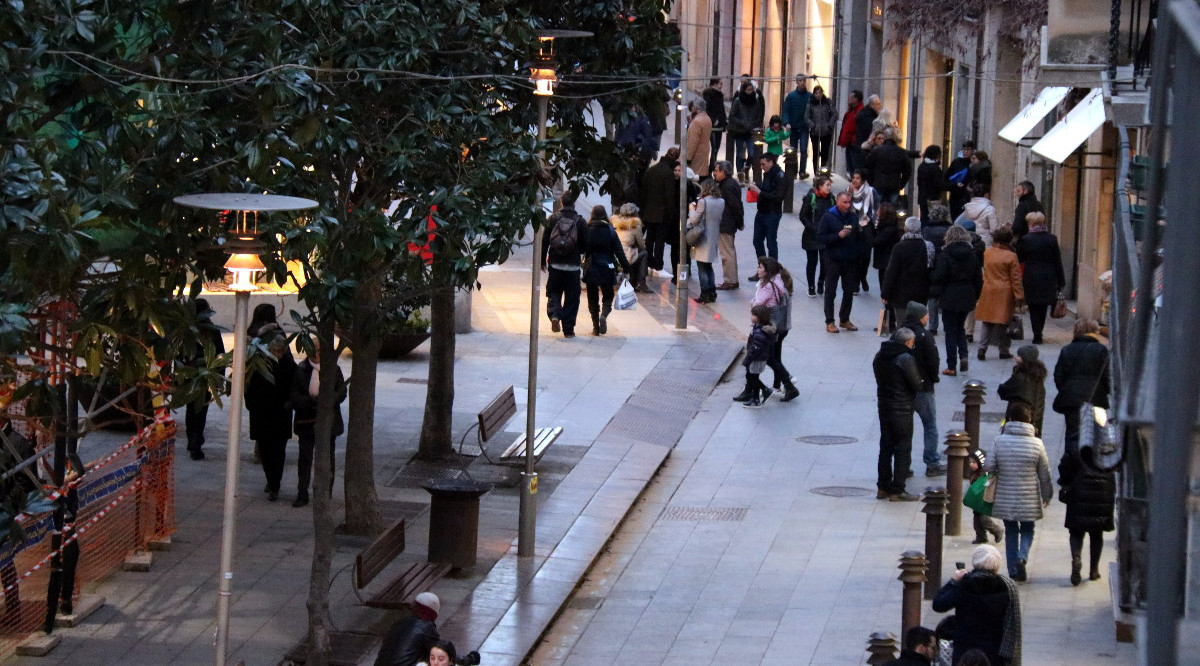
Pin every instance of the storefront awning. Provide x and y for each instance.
(1029, 117)
(1074, 129)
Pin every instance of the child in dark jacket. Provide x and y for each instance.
(982, 524)
(758, 352)
(1027, 385)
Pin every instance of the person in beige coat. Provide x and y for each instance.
(699, 133)
(629, 231)
(1002, 293)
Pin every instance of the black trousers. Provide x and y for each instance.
(596, 292)
(895, 450)
(1095, 546)
(815, 265)
(1037, 319)
(782, 376)
(656, 240)
(273, 453)
(308, 444)
(847, 273)
(821, 147)
(195, 418)
(562, 297)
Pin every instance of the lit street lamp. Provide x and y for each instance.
(243, 247)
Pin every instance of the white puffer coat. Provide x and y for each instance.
(1019, 459)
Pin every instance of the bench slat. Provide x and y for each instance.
(416, 579)
(542, 439)
(375, 557)
(497, 413)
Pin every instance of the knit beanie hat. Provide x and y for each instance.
(1028, 353)
(430, 601)
(916, 310)
(980, 457)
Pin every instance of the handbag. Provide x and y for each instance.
(1060, 308)
(989, 488)
(626, 296)
(1016, 328)
(975, 497)
(695, 234)
(781, 312)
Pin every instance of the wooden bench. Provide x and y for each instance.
(373, 559)
(493, 418)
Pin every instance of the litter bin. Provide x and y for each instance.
(454, 520)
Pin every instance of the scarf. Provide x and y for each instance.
(864, 201)
(1010, 642)
(1037, 229)
(314, 382)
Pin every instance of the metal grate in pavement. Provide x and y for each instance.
(413, 380)
(984, 417)
(645, 424)
(414, 474)
(841, 491)
(703, 514)
(585, 603)
(826, 440)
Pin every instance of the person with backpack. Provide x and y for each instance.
(566, 241)
(818, 200)
(603, 252)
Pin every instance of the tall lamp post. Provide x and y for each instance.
(543, 76)
(243, 246)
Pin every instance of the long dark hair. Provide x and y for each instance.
(599, 214)
(772, 267)
(447, 647)
(264, 313)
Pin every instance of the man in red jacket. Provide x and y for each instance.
(849, 129)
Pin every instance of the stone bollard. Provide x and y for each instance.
(790, 172)
(912, 574)
(882, 647)
(973, 392)
(957, 443)
(935, 511)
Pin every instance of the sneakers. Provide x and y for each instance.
(767, 393)
(812, 293)
(849, 326)
(555, 324)
(830, 328)
(935, 470)
(753, 403)
(903, 497)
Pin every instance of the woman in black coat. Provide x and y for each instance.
(1088, 492)
(986, 605)
(882, 237)
(1081, 376)
(604, 253)
(957, 281)
(1026, 386)
(267, 400)
(930, 184)
(1043, 276)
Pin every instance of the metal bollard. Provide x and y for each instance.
(973, 392)
(957, 443)
(912, 574)
(935, 511)
(882, 646)
(789, 171)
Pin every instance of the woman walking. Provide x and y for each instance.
(604, 252)
(957, 280)
(707, 212)
(630, 231)
(1002, 292)
(1023, 486)
(987, 610)
(775, 291)
(821, 117)
(1043, 278)
(1081, 376)
(1088, 492)
(1027, 386)
(267, 400)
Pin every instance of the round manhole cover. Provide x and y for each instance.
(841, 491)
(826, 440)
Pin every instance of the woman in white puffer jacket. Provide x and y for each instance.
(1023, 486)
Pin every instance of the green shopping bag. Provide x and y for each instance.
(973, 499)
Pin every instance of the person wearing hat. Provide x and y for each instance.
(409, 641)
(983, 524)
(1027, 385)
(925, 352)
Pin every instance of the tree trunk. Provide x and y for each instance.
(319, 622)
(439, 396)
(362, 502)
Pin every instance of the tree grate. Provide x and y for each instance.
(841, 491)
(703, 514)
(826, 440)
(984, 417)
(416, 474)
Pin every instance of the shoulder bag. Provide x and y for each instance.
(1060, 307)
(976, 496)
(694, 234)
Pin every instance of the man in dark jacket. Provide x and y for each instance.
(564, 242)
(925, 351)
(210, 341)
(897, 381)
(956, 179)
(920, 648)
(772, 190)
(408, 641)
(305, 388)
(1026, 203)
(714, 100)
(907, 275)
(795, 105)
(731, 222)
(1081, 376)
(656, 205)
(935, 229)
(840, 232)
(865, 119)
(890, 169)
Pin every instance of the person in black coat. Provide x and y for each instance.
(1026, 203)
(956, 179)
(270, 412)
(930, 182)
(409, 640)
(561, 261)
(865, 119)
(1081, 376)
(672, 221)
(732, 221)
(934, 230)
(882, 237)
(897, 381)
(980, 598)
(209, 341)
(957, 281)
(1043, 276)
(1026, 386)
(814, 206)
(714, 101)
(920, 648)
(907, 275)
(604, 252)
(1088, 491)
(890, 168)
(772, 190)
(656, 209)
(305, 387)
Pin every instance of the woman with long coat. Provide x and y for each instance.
(267, 400)
(1081, 376)
(1043, 280)
(881, 238)
(957, 280)
(604, 252)
(987, 610)
(1027, 385)
(1002, 292)
(707, 212)
(1023, 486)
(1088, 492)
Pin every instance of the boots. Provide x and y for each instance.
(1076, 565)
(745, 395)
(790, 392)
(980, 530)
(997, 529)
(604, 318)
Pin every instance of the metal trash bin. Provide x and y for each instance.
(454, 520)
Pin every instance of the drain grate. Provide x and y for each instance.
(585, 603)
(413, 380)
(826, 440)
(703, 514)
(984, 417)
(841, 491)
(416, 474)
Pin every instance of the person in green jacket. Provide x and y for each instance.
(774, 135)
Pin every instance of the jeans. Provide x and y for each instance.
(800, 145)
(708, 280)
(782, 376)
(956, 337)
(1037, 320)
(821, 147)
(853, 158)
(744, 150)
(562, 297)
(847, 272)
(304, 467)
(895, 451)
(1017, 541)
(766, 234)
(815, 264)
(934, 311)
(729, 274)
(926, 408)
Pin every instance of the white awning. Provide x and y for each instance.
(1074, 129)
(1029, 117)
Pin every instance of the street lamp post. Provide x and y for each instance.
(243, 247)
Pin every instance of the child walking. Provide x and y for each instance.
(983, 524)
(758, 351)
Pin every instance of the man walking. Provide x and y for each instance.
(846, 138)
(566, 241)
(731, 222)
(771, 192)
(1026, 203)
(841, 234)
(897, 381)
(928, 362)
(795, 105)
(714, 101)
(699, 133)
(656, 203)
